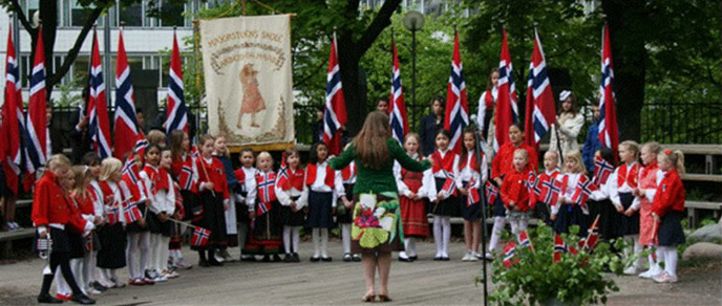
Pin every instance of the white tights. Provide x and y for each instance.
(637, 250)
(76, 266)
(668, 254)
(320, 241)
(291, 238)
(137, 253)
(442, 235)
(410, 246)
(499, 223)
(346, 237)
(158, 252)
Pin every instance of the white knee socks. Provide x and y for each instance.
(163, 251)
(287, 239)
(291, 238)
(409, 247)
(346, 237)
(295, 238)
(670, 259)
(137, 253)
(499, 223)
(316, 237)
(324, 242)
(446, 228)
(438, 233)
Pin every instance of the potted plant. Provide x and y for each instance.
(549, 269)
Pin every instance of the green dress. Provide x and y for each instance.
(377, 223)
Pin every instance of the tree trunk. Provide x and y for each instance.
(352, 87)
(49, 17)
(629, 58)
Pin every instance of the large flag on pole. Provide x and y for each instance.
(12, 118)
(36, 134)
(334, 115)
(608, 130)
(126, 125)
(398, 118)
(457, 107)
(176, 110)
(99, 128)
(507, 112)
(540, 108)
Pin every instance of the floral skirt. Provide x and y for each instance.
(377, 224)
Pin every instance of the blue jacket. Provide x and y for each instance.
(591, 145)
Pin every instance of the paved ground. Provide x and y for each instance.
(422, 282)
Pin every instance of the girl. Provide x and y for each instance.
(571, 207)
(344, 212)
(446, 203)
(175, 260)
(515, 192)
(412, 188)
(600, 201)
(668, 211)
(644, 195)
(214, 196)
(92, 273)
(183, 169)
(325, 188)
(220, 151)
(162, 206)
(265, 238)
(112, 236)
(501, 164)
(627, 220)
(293, 196)
(138, 250)
(85, 198)
(472, 175)
(246, 177)
(487, 101)
(545, 196)
(569, 124)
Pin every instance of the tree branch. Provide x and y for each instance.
(73, 52)
(380, 22)
(23, 19)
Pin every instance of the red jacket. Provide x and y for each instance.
(514, 188)
(213, 172)
(503, 160)
(670, 194)
(50, 205)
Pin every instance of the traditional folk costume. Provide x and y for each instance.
(325, 187)
(52, 214)
(413, 211)
(159, 185)
(344, 215)
(266, 228)
(668, 204)
(647, 185)
(545, 195)
(112, 235)
(246, 178)
(210, 170)
(138, 252)
(445, 169)
(292, 189)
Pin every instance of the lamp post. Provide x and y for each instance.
(413, 21)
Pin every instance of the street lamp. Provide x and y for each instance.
(413, 21)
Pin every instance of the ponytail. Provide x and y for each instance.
(676, 158)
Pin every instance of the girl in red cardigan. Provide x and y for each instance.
(668, 211)
(515, 192)
(215, 197)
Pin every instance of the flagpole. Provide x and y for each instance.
(482, 196)
(106, 57)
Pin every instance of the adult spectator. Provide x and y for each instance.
(430, 124)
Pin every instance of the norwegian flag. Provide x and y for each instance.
(582, 192)
(187, 177)
(507, 112)
(132, 213)
(509, 253)
(491, 193)
(457, 106)
(282, 179)
(592, 236)
(127, 138)
(552, 191)
(176, 111)
(602, 170)
(200, 236)
(474, 195)
(99, 126)
(262, 208)
(266, 192)
(334, 115)
(524, 240)
(608, 130)
(112, 214)
(36, 137)
(560, 247)
(540, 108)
(130, 168)
(398, 119)
(12, 117)
(449, 186)
(531, 183)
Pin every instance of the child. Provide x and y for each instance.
(627, 220)
(412, 188)
(51, 215)
(293, 196)
(325, 188)
(112, 236)
(571, 208)
(545, 192)
(644, 195)
(183, 169)
(246, 177)
(92, 273)
(515, 192)
(600, 201)
(220, 151)
(472, 175)
(83, 195)
(162, 205)
(446, 204)
(668, 212)
(138, 250)
(265, 239)
(214, 196)
(344, 212)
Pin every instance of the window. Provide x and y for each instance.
(79, 14)
(172, 14)
(81, 68)
(131, 15)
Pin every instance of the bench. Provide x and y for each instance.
(7, 238)
(693, 208)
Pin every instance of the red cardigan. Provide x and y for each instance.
(670, 194)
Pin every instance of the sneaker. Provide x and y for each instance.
(17, 226)
(181, 264)
(632, 270)
(92, 291)
(413, 258)
(160, 278)
(98, 286)
(664, 277)
(488, 256)
(151, 274)
(467, 257)
(473, 258)
(649, 274)
(170, 274)
(218, 257)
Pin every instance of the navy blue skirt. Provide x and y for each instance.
(448, 207)
(320, 207)
(345, 215)
(627, 225)
(670, 230)
(470, 212)
(292, 218)
(499, 210)
(569, 215)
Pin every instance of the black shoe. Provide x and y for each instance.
(288, 258)
(438, 258)
(413, 258)
(99, 287)
(82, 299)
(248, 258)
(276, 258)
(203, 263)
(315, 259)
(327, 259)
(356, 257)
(215, 263)
(402, 259)
(296, 258)
(266, 258)
(46, 298)
(445, 258)
(347, 257)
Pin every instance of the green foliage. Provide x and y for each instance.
(576, 279)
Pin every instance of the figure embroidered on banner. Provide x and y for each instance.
(252, 102)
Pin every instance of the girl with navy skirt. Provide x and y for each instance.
(446, 205)
(472, 175)
(325, 188)
(626, 221)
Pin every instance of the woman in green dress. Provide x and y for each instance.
(376, 230)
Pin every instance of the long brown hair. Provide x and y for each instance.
(370, 142)
(176, 144)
